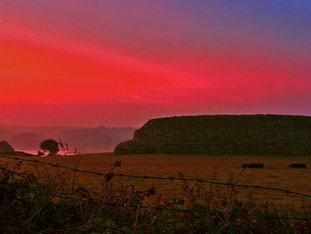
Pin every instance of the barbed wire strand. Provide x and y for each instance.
(183, 210)
(162, 178)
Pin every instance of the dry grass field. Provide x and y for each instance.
(276, 172)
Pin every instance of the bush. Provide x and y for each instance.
(50, 145)
(5, 147)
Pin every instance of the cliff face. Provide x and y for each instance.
(223, 134)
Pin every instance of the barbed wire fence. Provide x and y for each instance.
(286, 191)
(160, 178)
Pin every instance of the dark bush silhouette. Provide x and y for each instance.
(5, 147)
(50, 145)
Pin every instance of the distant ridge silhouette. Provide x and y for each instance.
(85, 139)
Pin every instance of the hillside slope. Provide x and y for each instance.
(223, 134)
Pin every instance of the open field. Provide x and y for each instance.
(51, 198)
(276, 173)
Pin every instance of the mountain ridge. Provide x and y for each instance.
(85, 139)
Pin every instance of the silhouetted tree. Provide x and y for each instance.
(5, 147)
(50, 145)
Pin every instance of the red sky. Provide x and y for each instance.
(120, 64)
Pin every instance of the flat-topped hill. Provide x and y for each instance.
(223, 134)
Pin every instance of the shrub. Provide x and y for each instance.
(50, 145)
(5, 147)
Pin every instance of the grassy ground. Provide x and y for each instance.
(223, 168)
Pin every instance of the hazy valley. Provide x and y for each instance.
(85, 139)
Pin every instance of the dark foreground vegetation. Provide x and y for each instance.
(49, 201)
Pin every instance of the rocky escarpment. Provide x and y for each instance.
(223, 134)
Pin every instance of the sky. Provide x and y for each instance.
(123, 62)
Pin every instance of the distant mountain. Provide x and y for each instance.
(85, 139)
(97, 139)
(27, 140)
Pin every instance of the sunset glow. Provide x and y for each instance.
(120, 63)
